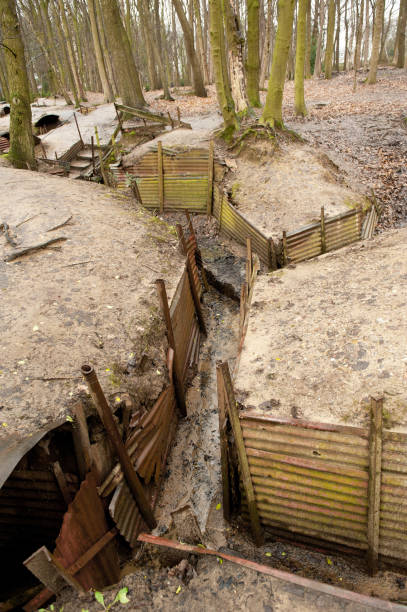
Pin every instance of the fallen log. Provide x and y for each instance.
(30, 249)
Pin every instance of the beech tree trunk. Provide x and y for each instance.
(377, 34)
(235, 52)
(21, 138)
(308, 43)
(107, 88)
(225, 99)
(253, 54)
(197, 77)
(318, 54)
(272, 111)
(330, 39)
(300, 108)
(358, 43)
(401, 46)
(128, 82)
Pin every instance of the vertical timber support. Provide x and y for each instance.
(272, 255)
(160, 175)
(79, 132)
(375, 477)
(249, 263)
(285, 256)
(177, 373)
(195, 297)
(241, 451)
(210, 180)
(109, 424)
(323, 234)
(224, 453)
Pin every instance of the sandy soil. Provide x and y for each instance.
(90, 298)
(326, 334)
(285, 188)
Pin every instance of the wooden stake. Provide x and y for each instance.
(285, 256)
(195, 297)
(179, 116)
(249, 261)
(210, 180)
(323, 234)
(181, 239)
(62, 484)
(160, 175)
(375, 476)
(177, 374)
(241, 451)
(92, 145)
(118, 118)
(171, 120)
(272, 255)
(224, 455)
(79, 132)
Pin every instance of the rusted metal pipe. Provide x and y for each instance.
(107, 419)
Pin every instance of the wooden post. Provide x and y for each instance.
(243, 299)
(241, 451)
(118, 117)
(181, 239)
(171, 120)
(62, 484)
(210, 180)
(272, 254)
(160, 175)
(198, 256)
(375, 476)
(179, 116)
(92, 145)
(178, 379)
(195, 297)
(224, 454)
(323, 234)
(285, 256)
(79, 132)
(249, 261)
(106, 416)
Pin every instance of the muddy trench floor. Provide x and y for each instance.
(154, 577)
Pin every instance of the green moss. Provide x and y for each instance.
(235, 188)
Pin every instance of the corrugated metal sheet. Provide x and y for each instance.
(369, 224)
(235, 225)
(393, 506)
(4, 145)
(85, 524)
(304, 243)
(126, 514)
(72, 152)
(309, 478)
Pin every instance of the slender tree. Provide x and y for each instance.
(273, 108)
(128, 82)
(330, 39)
(308, 42)
(235, 50)
(197, 77)
(401, 39)
(253, 53)
(317, 66)
(300, 108)
(225, 99)
(377, 34)
(107, 88)
(21, 138)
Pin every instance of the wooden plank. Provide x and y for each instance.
(323, 238)
(160, 169)
(61, 480)
(177, 374)
(230, 401)
(210, 180)
(375, 471)
(224, 455)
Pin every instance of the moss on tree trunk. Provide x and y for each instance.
(272, 111)
(330, 39)
(300, 108)
(253, 53)
(377, 35)
(21, 137)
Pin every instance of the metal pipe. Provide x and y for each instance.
(107, 419)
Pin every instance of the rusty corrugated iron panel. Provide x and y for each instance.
(83, 526)
(126, 514)
(72, 152)
(235, 225)
(393, 496)
(4, 145)
(309, 478)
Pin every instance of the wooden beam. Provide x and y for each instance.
(241, 452)
(80, 435)
(224, 451)
(160, 169)
(375, 477)
(178, 378)
(61, 480)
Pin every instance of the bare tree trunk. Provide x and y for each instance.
(377, 33)
(235, 52)
(21, 139)
(200, 41)
(273, 111)
(330, 39)
(107, 89)
(401, 47)
(317, 66)
(346, 23)
(300, 108)
(198, 82)
(219, 63)
(253, 54)
(358, 43)
(308, 42)
(366, 36)
(128, 81)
